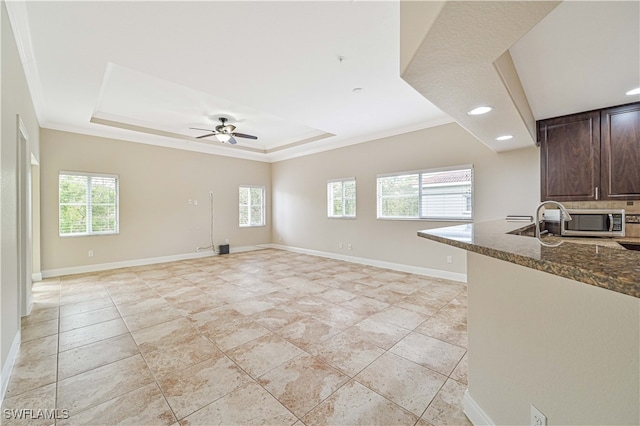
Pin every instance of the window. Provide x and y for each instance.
(88, 204)
(440, 194)
(341, 198)
(251, 206)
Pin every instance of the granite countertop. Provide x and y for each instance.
(600, 262)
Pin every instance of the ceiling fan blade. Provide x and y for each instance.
(242, 135)
(204, 130)
(232, 140)
(206, 136)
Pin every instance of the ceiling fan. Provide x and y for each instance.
(224, 132)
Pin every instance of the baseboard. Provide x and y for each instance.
(138, 262)
(474, 412)
(436, 273)
(8, 365)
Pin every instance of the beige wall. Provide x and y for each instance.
(16, 100)
(504, 183)
(155, 186)
(568, 348)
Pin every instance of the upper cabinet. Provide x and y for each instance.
(620, 172)
(591, 156)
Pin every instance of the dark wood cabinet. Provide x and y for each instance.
(591, 156)
(620, 170)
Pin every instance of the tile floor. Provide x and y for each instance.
(264, 337)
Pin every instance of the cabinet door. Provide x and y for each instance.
(620, 167)
(570, 157)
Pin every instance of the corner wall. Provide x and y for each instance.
(16, 100)
(156, 184)
(505, 183)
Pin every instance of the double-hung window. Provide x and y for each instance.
(252, 206)
(341, 198)
(88, 204)
(434, 194)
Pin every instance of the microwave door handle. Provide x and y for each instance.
(610, 222)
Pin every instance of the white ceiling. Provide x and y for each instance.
(147, 71)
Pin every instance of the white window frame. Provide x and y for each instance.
(249, 206)
(420, 215)
(331, 200)
(88, 204)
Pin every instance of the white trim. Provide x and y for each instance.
(36, 276)
(418, 270)
(137, 262)
(8, 365)
(474, 412)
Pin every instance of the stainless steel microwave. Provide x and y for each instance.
(594, 223)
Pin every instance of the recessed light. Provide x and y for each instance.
(504, 137)
(633, 92)
(480, 110)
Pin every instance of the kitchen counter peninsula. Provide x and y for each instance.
(599, 262)
(557, 328)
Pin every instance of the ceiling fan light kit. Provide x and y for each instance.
(224, 132)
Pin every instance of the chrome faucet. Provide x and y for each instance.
(564, 214)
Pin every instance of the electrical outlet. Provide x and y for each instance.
(349, 246)
(195, 202)
(340, 244)
(190, 202)
(537, 418)
(226, 241)
(90, 253)
(449, 259)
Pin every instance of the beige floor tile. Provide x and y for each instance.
(429, 352)
(307, 333)
(276, 318)
(40, 401)
(91, 334)
(335, 295)
(190, 389)
(181, 314)
(229, 334)
(446, 408)
(39, 347)
(149, 318)
(355, 404)
(302, 383)
(86, 306)
(338, 316)
(212, 318)
(365, 305)
(379, 333)
(409, 385)
(263, 354)
(86, 390)
(41, 313)
(180, 356)
(401, 317)
(247, 405)
(31, 373)
(71, 297)
(176, 332)
(88, 318)
(143, 406)
(348, 353)
(39, 329)
(461, 372)
(443, 327)
(144, 305)
(94, 355)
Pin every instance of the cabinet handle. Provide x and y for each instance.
(596, 192)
